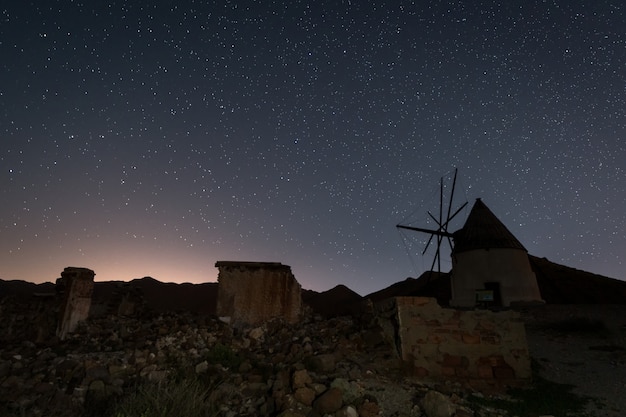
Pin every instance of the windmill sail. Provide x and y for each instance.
(441, 232)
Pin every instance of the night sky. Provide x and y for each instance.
(156, 138)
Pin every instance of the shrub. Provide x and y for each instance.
(225, 356)
(183, 398)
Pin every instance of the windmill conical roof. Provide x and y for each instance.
(483, 230)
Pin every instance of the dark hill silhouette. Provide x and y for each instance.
(161, 296)
(559, 284)
(168, 296)
(338, 301)
(23, 290)
(429, 284)
(158, 296)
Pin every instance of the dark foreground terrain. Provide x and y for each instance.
(169, 355)
(189, 364)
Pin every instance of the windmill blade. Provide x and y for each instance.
(420, 229)
(451, 197)
(440, 202)
(441, 231)
(445, 227)
(432, 266)
(434, 219)
(436, 259)
(428, 243)
(456, 212)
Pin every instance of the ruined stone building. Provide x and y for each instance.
(253, 292)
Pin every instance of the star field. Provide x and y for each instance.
(155, 138)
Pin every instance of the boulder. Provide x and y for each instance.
(329, 402)
(436, 404)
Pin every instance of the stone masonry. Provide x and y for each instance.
(477, 346)
(76, 285)
(254, 292)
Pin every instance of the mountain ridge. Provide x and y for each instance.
(559, 284)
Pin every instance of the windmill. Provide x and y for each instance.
(441, 232)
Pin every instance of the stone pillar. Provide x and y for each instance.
(77, 287)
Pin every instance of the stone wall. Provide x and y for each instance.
(448, 344)
(254, 292)
(77, 287)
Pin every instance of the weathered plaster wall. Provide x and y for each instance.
(253, 292)
(508, 267)
(478, 345)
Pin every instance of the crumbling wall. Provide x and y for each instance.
(442, 343)
(253, 292)
(32, 319)
(76, 284)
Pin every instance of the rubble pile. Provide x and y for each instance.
(336, 367)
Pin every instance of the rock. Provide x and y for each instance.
(257, 334)
(368, 409)
(97, 388)
(435, 404)
(329, 402)
(305, 395)
(300, 378)
(202, 367)
(351, 390)
(323, 363)
(348, 411)
(319, 388)
(245, 367)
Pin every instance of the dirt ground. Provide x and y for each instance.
(584, 346)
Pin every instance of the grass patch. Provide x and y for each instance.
(225, 356)
(183, 394)
(183, 398)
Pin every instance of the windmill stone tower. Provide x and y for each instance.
(489, 264)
